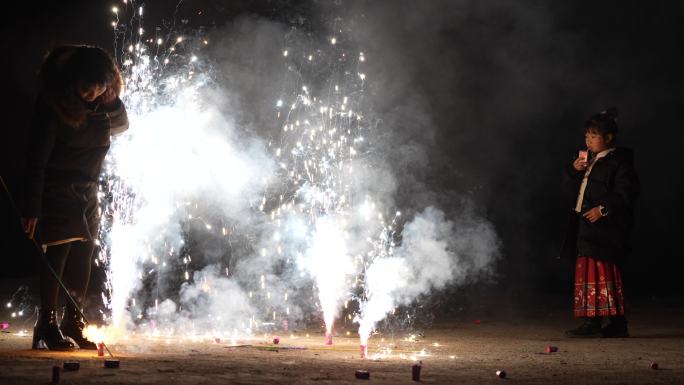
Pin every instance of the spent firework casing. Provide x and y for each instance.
(415, 371)
(55, 374)
(362, 374)
(111, 364)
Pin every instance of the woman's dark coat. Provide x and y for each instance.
(612, 183)
(63, 167)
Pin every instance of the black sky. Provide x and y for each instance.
(504, 88)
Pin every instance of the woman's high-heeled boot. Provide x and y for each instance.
(46, 333)
(72, 326)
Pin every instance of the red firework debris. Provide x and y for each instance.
(363, 350)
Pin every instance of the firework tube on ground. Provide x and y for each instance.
(328, 338)
(362, 374)
(55, 374)
(363, 349)
(111, 364)
(415, 370)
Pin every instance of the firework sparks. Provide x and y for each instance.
(166, 176)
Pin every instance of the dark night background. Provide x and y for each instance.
(507, 87)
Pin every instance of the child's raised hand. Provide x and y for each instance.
(593, 215)
(580, 164)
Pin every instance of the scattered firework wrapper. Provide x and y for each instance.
(551, 349)
(654, 365)
(71, 366)
(111, 364)
(286, 325)
(4, 325)
(276, 340)
(415, 371)
(328, 338)
(362, 374)
(100, 349)
(55, 374)
(501, 373)
(363, 350)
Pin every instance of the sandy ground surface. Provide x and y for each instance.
(457, 350)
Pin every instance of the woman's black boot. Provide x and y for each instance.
(72, 326)
(46, 333)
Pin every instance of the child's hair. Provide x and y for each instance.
(603, 123)
(65, 68)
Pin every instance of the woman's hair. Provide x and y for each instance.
(68, 68)
(603, 123)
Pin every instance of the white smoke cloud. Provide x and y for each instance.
(206, 162)
(434, 252)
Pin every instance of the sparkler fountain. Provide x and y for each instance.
(315, 212)
(318, 148)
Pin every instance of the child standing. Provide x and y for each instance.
(604, 187)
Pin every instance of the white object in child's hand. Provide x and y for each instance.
(583, 155)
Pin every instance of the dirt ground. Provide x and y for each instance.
(457, 350)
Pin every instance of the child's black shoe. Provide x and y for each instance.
(591, 328)
(616, 328)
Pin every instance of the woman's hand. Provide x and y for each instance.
(113, 89)
(108, 97)
(29, 225)
(579, 164)
(593, 215)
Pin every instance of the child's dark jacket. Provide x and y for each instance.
(614, 184)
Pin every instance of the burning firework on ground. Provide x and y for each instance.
(292, 221)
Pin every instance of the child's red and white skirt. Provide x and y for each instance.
(598, 288)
